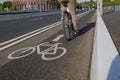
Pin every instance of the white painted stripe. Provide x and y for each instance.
(16, 42)
(84, 13)
(9, 41)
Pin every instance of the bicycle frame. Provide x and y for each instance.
(30, 50)
(46, 51)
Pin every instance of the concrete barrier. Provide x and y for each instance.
(105, 60)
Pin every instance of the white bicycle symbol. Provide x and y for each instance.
(52, 49)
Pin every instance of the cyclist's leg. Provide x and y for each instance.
(71, 6)
(62, 10)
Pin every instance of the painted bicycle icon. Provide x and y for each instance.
(50, 50)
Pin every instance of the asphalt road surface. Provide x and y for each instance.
(15, 25)
(48, 56)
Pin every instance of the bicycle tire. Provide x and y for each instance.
(43, 56)
(23, 50)
(67, 26)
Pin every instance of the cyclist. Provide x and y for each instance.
(71, 6)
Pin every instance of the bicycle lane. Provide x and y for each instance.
(73, 65)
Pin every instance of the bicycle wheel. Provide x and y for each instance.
(20, 53)
(67, 26)
(54, 56)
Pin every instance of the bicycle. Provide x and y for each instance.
(68, 29)
(51, 49)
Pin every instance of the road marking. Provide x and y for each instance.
(23, 50)
(84, 13)
(17, 40)
(36, 19)
(9, 41)
(58, 38)
(54, 47)
(14, 39)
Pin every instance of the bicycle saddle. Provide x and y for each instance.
(65, 2)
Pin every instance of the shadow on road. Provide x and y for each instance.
(84, 29)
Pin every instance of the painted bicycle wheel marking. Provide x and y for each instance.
(52, 50)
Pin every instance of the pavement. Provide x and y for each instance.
(73, 64)
(112, 21)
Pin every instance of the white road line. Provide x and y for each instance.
(84, 13)
(9, 41)
(25, 38)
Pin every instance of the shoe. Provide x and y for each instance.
(76, 32)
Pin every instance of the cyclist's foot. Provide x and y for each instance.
(76, 31)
